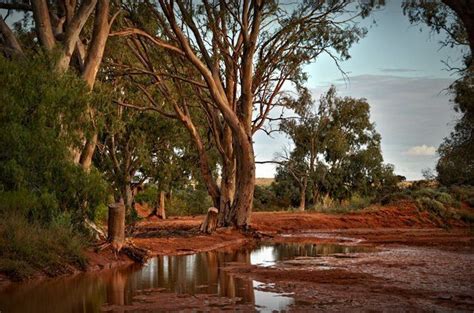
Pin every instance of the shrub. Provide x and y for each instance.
(148, 195)
(432, 206)
(395, 197)
(462, 193)
(189, 202)
(266, 200)
(354, 204)
(445, 198)
(28, 247)
(424, 192)
(40, 120)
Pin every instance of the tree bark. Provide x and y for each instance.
(73, 30)
(116, 225)
(10, 39)
(161, 209)
(43, 25)
(243, 201)
(228, 179)
(96, 49)
(210, 222)
(302, 205)
(204, 167)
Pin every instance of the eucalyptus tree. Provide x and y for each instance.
(336, 149)
(137, 147)
(75, 33)
(239, 59)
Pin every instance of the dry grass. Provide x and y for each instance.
(264, 181)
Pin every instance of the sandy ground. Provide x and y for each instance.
(422, 270)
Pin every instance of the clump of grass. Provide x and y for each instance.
(354, 204)
(30, 247)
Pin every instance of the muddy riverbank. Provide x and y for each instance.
(299, 262)
(336, 270)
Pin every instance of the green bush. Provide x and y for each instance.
(41, 117)
(424, 192)
(28, 247)
(354, 204)
(396, 196)
(462, 193)
(264, 199)
(445, 198)
(149, 195)
(432, 206)
(188, 202)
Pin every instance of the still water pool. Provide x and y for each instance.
(199, 273)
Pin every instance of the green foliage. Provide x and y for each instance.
(181, 202)
(456, 164)
(188, 202)
(433, 206)
(446, 199)
(265, 199)
(28, 247)
(148, 195)
(462, 193)
(354, 204)
(396, 197)
(336, 152)
(41, 116)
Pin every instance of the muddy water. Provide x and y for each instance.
(194, 274)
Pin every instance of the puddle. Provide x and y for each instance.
(199, 273)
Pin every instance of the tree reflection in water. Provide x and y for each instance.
(200, 273)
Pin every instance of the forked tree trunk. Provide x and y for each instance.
(116, 225)
(210, 221)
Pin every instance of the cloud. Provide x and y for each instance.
(398, 70)
(422, 150)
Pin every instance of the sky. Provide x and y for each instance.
(398, 68)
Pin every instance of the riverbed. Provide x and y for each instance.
(430, 270)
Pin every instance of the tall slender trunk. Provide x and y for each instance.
(315, 194)
(92, 64)
(302, 204)
(161, 209)
(227, 190)
(127, 197)
(303, 186)
(204, 166)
